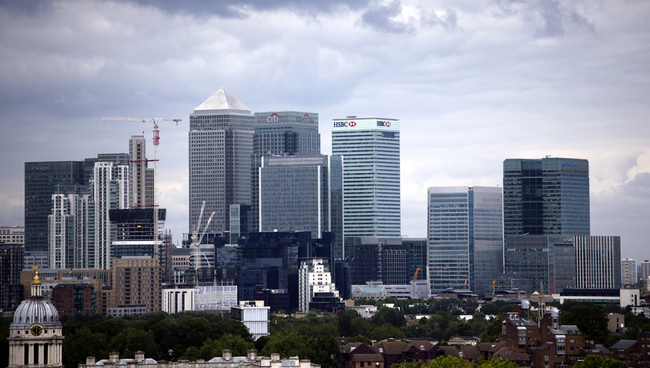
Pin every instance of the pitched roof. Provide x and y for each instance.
(222, 100)
(391, 348)
(623, 345)
(470, 352)
(450, 351)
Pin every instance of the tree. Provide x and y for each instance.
(448, 362)
(590, 319)
(130, 340)
(494, 363)
(359, 338)
(492, 329)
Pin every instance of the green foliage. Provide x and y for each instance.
(597, 361)
(359, 338)
(492, 329)
(130, 340)
(448, 362)
(497, 307)
(319, 349)
(494, 363)
(590, 319)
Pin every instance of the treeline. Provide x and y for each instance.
(201, 335)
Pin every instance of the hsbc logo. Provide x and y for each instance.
(381, 123)
(345, 124)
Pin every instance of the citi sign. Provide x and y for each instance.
(345, 124)
(273, 118)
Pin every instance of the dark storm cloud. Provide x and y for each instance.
(551, 18)
(230, 9)
(380, 17)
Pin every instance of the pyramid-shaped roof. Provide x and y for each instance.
(222, 100)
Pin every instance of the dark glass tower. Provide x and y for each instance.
(281, 133)
(41, 181)
(548, 196)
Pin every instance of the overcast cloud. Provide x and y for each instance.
(473, 83)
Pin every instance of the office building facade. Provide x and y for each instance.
(378, 259)
(280, 133)
(220, 150)
(598, 262)
(531, 259)
(11, 264)
(548, 196)
(41, 181)
(314, 277)
(302, 193)
(465, 237)
(371, 176)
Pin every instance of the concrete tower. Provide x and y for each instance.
(220, 149)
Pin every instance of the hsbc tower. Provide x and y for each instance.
(371, 175)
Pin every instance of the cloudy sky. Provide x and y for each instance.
(473, 82)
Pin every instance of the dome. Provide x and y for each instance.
(36, 310)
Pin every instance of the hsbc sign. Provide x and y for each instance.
(344, 124)
(381, 123)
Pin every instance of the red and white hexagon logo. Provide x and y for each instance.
(388, 123)
(353, 123)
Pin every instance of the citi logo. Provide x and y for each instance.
(272, 119)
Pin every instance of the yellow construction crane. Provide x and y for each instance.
(156, 142)
(415, 277)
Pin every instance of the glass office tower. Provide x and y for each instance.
(548, 196)
(302, 194)
(42, 179)
(465, 235)
(280, 133)
(220, 149)
(371, 176)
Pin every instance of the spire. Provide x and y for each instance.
(36, 283)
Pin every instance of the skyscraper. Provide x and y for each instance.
(220, 149)
(548, 196)
(303, 194)
(68, 226)
(109, 190)
(465, 231)
(140, 177)
(41, 181)
(280, 133)
(371, 177)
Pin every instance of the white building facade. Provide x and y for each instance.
(314, 276)
(598, 262)
(68, 231)
(109, 189)
(371, 176)
(178, 300)
(628, 271)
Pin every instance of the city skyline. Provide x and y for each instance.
(472, 84)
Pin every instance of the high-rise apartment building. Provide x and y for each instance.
(598, 262)
(136, 282)
(302, 193)
(628, 271)
(645, 274)
(465, 235)
(68, 226)
(371, 176)
(220, 150)
(548, 196)
(41, 181)
(280, 133)
(109, 190)
(140, 176)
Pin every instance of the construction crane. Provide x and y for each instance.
(196, 242)
(465, 284)
(156, 142)
(415, 277)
